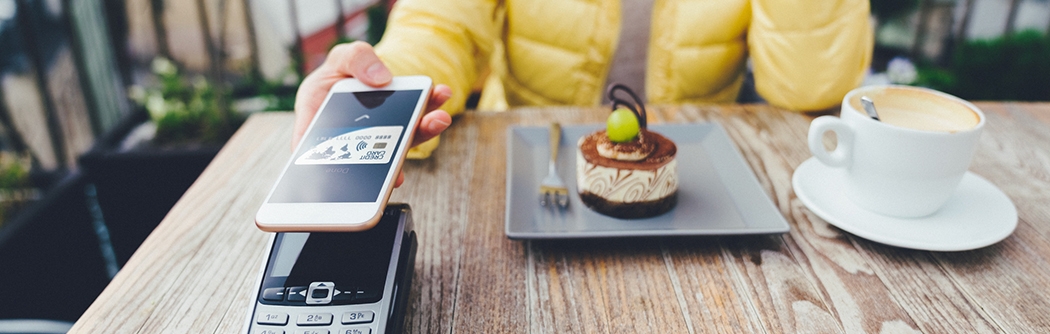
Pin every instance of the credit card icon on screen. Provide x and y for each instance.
(353, 147)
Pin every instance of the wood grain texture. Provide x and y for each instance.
(195, 273)
(196, 270)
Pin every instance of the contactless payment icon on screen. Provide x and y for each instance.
(374, 145)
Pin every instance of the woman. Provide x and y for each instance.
(805, 55)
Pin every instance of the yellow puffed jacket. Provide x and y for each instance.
(805, 54)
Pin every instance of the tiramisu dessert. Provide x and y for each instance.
(627, 171)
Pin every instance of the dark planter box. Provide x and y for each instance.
(51, 264)
(137, 188)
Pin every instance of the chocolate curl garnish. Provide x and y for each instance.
(637, 107)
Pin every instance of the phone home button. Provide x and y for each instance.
(320, 293)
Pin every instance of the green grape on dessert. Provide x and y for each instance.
(622, 126)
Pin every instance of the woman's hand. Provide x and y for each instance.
(359, 60)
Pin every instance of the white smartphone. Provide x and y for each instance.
(340, 176)
(337, 282)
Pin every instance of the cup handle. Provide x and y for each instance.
(840, 157)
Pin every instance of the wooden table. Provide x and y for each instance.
(195, 273)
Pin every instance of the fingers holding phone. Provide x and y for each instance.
(359, 60)
(435, 120)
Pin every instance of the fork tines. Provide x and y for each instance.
(554, 195)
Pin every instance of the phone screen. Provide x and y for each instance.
(357, 262)
(347, 154)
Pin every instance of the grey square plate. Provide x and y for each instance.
(717, 192)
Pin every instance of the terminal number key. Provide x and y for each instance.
(359, 317)
(314, 319)
(355, 330)
(279, 319)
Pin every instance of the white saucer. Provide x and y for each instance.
(977, 215)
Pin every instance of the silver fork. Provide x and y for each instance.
(553, 190)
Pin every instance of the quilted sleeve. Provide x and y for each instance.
(808, 54)
(448, 40)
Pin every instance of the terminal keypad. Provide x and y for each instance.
(323, 316)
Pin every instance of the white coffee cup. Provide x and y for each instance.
(908, 164)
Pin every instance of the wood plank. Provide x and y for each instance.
(715, 294)
(595, 286)
(191, 272)
(195, 272)
(1009, 280)
(771, 288)
(813, 280)
(436, 189)
(950, 302)
(491, 290)
(604, 286)
(864, 296)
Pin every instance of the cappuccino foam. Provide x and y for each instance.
(919, 110)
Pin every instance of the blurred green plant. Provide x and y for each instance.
(935, 77)
(1012, 67)
(279, 97)
(187, 110)
(886, 10)
(16, 189)
(377, 18)
(254, 93)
